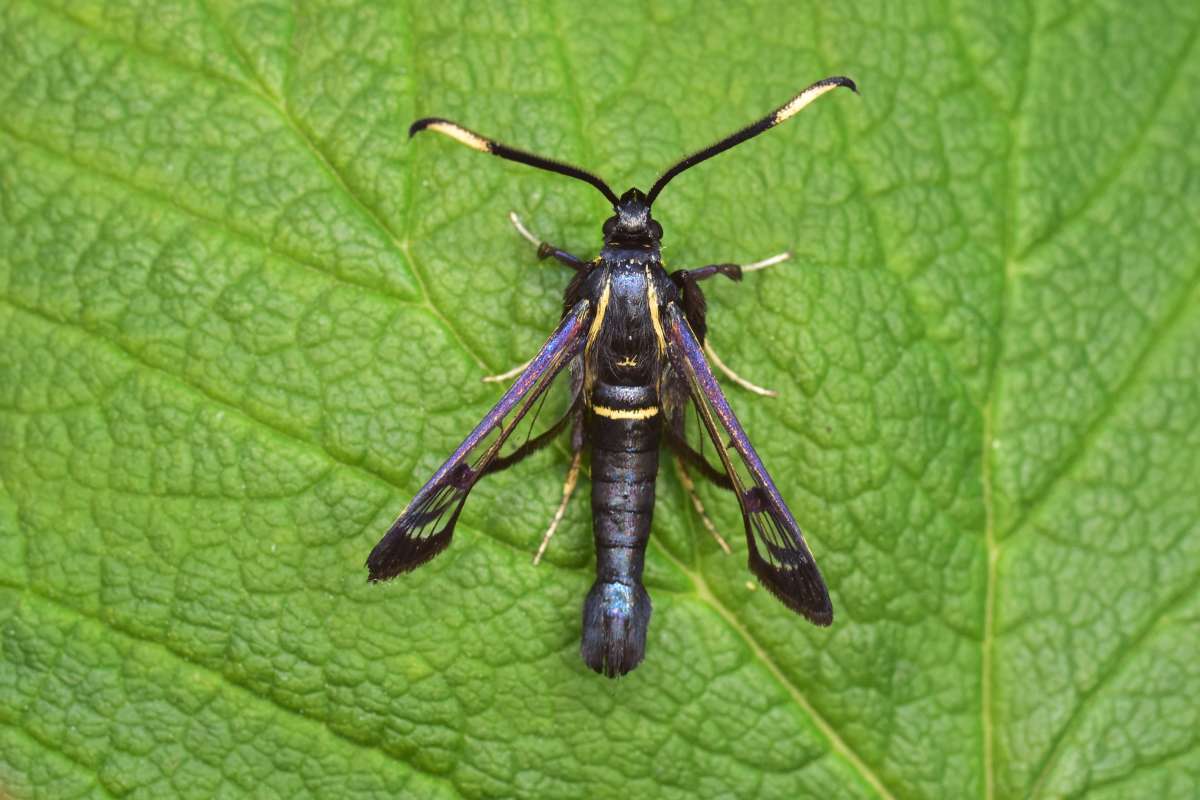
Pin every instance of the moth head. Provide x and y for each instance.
(631, 224)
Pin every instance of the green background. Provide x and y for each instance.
(242, 319)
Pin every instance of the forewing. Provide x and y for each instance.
(778, 554)
(424, 528)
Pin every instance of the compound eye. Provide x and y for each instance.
(655, 229)
(609, 224)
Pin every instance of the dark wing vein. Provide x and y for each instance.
(424, 528)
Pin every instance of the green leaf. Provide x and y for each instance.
(243, 319)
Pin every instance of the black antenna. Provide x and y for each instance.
(485, 145)
(784, 112)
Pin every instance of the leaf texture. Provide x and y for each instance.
(242, 319)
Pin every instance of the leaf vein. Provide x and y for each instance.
(289, 436)
(238, 234)
(337, 178)
(1124, 159)
(52, 746)
(1107, 673)
(836, 742)
(1133, 378)
(294, 714)
(275, 429)
(217, 224)
(991, 421)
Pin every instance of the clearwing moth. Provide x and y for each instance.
(632, 339)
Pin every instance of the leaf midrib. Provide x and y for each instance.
(1032, 508)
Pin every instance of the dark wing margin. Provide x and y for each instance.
(778, 556)
(425, 526)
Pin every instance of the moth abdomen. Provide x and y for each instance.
(625, 429)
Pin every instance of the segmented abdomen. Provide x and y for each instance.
(624, 429)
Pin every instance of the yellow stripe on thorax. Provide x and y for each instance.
(601, 309)
(652, 301)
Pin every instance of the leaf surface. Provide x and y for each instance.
(243, 319)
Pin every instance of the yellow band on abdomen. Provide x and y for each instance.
(626, 413)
